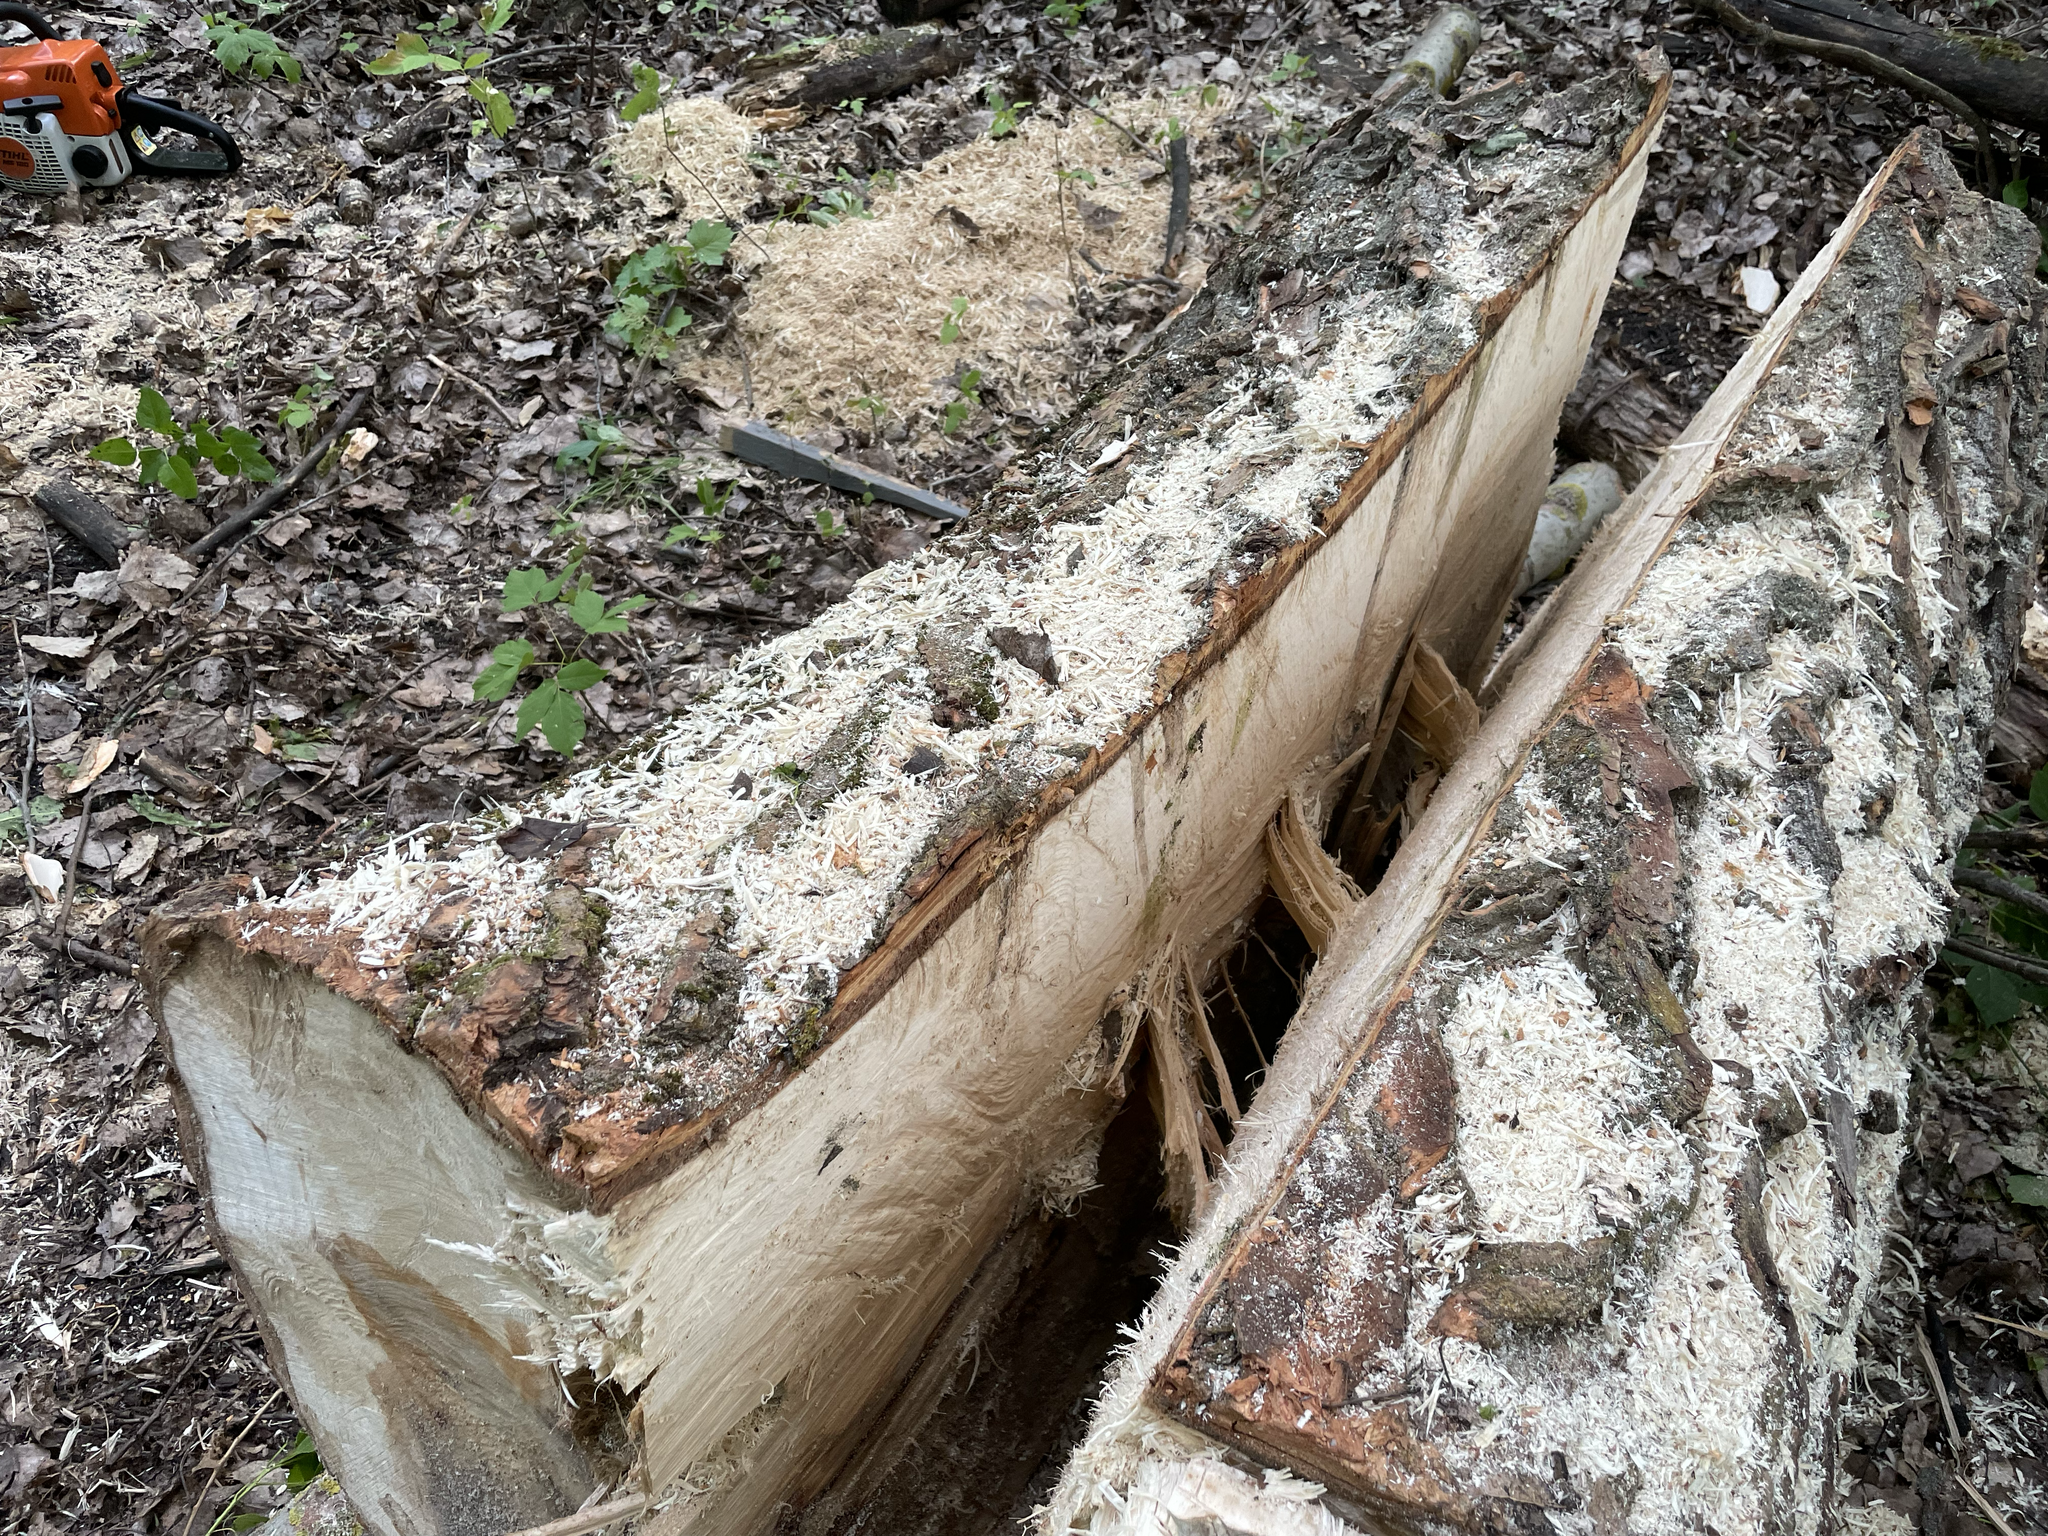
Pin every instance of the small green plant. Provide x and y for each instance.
(307, 401)
(854, 105)
(233, 453)
(875, 408)
(647, 311)
(2015, 193)
(1005, 120)
(412, 51)
(1068, 14)
(300, 1463)
(239, 46)
(598, 439)
(646, 94)
(1293, 66)
(552, 704)
(949, 328)
(841, 202)
(1079, 173)
(965, 404)
(710, 508)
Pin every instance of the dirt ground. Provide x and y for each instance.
(305, 694)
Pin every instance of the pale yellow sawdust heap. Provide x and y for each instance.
(697, 149)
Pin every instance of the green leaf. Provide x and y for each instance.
(507, 662)
(115, 450)
(533, 706)
(42, 810)
(247, 454)
(495, 15)
(709, 240)
(153, 414)
(2026, 1188)
(1994, 994)
(587, 609)
(563, 724)
(646, 94)
(579, 674)
(150, 467)
(2015, 193)
(498, 114)
(548, 592)
(149, 810)
(410, 52)
(178, 477)
(2037, 795)
(523, 589)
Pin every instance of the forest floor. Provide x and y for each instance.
(304, 694)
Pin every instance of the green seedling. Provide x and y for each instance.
(241, 47)
(875, 408)
(1005, 120)
(552, 704)
(233, 453)
(710, 508)
(647, 311)
(598, 439)
(1293, 66)
(646, 94)
(413, 51)
(949, 328)
(965, 405)
(1069, 13)
(307, 402)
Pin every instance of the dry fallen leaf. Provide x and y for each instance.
(361, 442)
(262, 740)
(72, 646)
(45, 876)
(265, 221)
(95, 761)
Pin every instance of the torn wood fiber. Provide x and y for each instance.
(1585, 1227)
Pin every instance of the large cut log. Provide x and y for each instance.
(1574, 1174)
(645, 1138)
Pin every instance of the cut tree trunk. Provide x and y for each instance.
(1574, 1174)
(645, 1139)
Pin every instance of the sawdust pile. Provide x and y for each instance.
(697, 149)
(856, 309)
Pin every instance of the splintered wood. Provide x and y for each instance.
(645, 1138)
(1573, 1179)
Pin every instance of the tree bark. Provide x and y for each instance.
(87, 519)
(1572, 1178)
(700, 1091)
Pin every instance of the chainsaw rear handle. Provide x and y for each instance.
(151, 114)
(35, 21)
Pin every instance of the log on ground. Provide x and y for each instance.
(1575, 1173)
(647, 1137)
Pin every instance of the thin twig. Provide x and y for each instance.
(482, 390)
(1074, 96)
(226, 1456)
(1984, 1504)
(1948, 1413)
(71, 864)
(2005, 890)
(2006, 960)
(1999, 1322)
(83, 953)
(206, 545)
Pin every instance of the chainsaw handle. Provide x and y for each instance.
(35, 21)
(147, 112)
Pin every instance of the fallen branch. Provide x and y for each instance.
(2003, 889)
(87, 519)
(83, 953)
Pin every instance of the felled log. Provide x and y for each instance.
(863, 68)
(641, 1141)
(1572, 1178)
(1984, 75)
(86, 518)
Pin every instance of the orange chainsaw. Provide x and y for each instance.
(67, 122)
